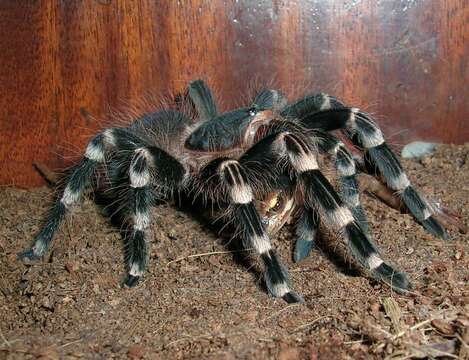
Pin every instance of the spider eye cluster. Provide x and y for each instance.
(252, 111)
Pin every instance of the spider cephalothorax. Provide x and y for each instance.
(257, 165)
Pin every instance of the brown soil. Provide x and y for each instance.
(209, 306)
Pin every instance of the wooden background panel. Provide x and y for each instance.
(404, 60)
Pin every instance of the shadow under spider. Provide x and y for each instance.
(326, 243)
(330, 246)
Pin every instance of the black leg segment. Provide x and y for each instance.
(240, 197)
(202, 98)
(321, 196)
(150, 167)
(347, 171)
(306, 232)
(367, 136)
(77, 182)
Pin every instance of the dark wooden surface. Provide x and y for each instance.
(405, 60)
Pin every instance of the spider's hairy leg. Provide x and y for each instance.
(306, 232)
(77, 182)
(347, 171)
(367, 136)
(139, 207)
(310, 105)
(320, 195)
(269, 99)
(203, 100)
(240, 196)
(167, 173)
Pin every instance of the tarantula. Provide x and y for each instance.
(258, 164)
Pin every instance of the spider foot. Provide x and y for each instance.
(277, 279)
(410, 201)
(278, 283)
(421, 210)
(292, 297)
(28, 255)
(303, 248)
(435, 228)
(131, 281)
(396, 279)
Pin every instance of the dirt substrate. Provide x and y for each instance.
(190, 305)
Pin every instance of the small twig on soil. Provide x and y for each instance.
(402, 332)
(281, 311)
(405, 356)
(386, 333)
(161, 327)
(11, 350)
(70, 343)
(461, 340)
(402, 293)
(412, 328)
(5, 341)
(313, 322)
(206, 254)
(391, 307)
(266, 340)
(353, 342)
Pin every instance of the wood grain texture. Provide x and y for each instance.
(404, 60)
